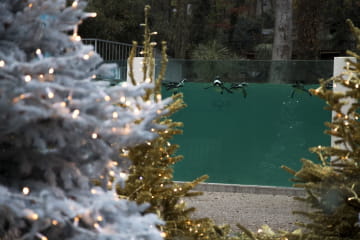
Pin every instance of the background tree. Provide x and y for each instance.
(116, 20)
(335, 36)
(239, 25)
(177, 27)
(282, 45)
(320, 27)
(308, 18)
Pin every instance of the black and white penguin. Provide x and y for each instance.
(329, 85)
(299, 86)
(240, 86)
(219, 86)
(174, 86)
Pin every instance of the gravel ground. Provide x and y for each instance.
(251, 210)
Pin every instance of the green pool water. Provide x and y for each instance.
(239, 140)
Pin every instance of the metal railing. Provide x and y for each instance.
(111, 51)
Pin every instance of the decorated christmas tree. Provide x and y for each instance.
(60, 129)
(150, 178)
(333, 183)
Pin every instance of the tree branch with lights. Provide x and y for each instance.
(60, 129)
(150, 178)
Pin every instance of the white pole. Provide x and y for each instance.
(339, 69)
(137, 70)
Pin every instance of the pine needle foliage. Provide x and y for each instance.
(333, 183)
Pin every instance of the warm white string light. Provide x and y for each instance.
(76, 113)
(2, 63)
(33, 216)
(122, 99)
(90, 14)
(75, 4)
(97, 227)
(26, 190)
(115, 115)
(75, 37)
(76, 221)
(124, 175)
(41, 236)
(51, 70)
(50, 93)
(27, 78)
(107, 98)
(86, 57)
(21, 97)
(39, 53)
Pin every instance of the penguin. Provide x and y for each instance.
(329, 85)
(219, 85)
(240, 86)
(299, 86)
(174, 86)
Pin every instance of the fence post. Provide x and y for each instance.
(96, 46)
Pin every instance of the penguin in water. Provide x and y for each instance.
(299, 86)
(174, 86)
(219, 85)
(239, 86)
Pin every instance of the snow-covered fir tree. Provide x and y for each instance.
(60, 129)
